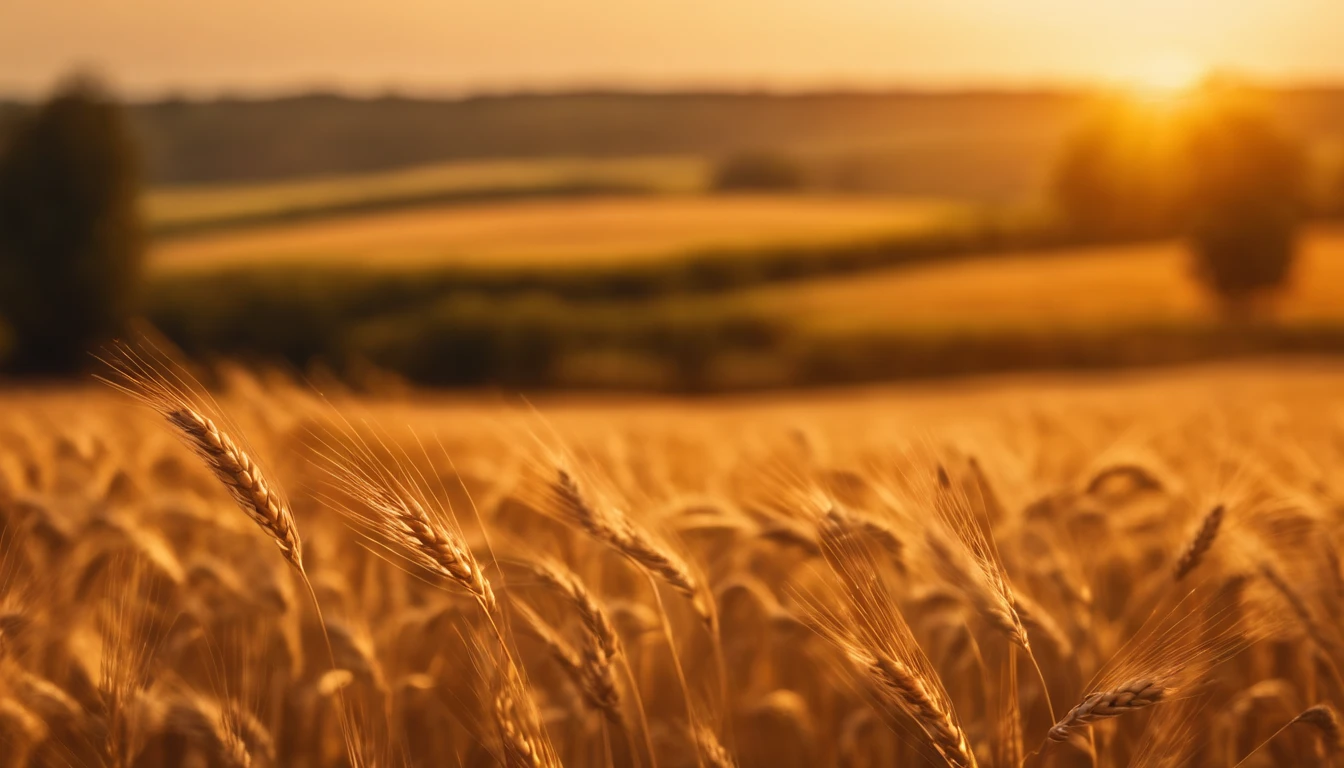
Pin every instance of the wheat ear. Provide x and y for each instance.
(522, 738)
(433, 545)
(618, 531)
(602, 645)
(244, 480)
(1101, 705)
(710, 749)
(900, 683)
(1194, 552)
(594, 617)
(1323, 717)
(871, 632)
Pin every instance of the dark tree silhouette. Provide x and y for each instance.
(1246, 195)
(70, 233)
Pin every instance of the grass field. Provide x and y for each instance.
(202, 207)
(1130, 571)
(1097, 286)
(575, 230)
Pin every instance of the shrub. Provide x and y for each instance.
(70, 232)
(758, 171)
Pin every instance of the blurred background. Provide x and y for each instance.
(671, 196)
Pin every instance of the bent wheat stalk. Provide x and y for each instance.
(1322, 717)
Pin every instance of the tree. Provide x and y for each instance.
(1115, 177)
(1246, 192)
(71, 238)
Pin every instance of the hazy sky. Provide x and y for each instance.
(149, 46)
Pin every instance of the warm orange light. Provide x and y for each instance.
(1166, 74)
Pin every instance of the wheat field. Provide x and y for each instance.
(203, 204)
(1136, 571)
(546, 231)
(1097, 285)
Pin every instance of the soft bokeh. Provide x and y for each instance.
(152, 46)
(693, 198)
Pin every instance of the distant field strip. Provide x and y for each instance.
(1095, 286)
(554, 231)
(175, 210)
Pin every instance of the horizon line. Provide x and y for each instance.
(967, 87)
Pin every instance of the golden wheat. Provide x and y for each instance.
(868, 598)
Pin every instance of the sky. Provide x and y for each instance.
(151, 47)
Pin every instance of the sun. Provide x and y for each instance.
(1166, 74)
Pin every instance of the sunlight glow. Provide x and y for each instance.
(1166, 74)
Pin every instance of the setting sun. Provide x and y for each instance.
(1166, 73)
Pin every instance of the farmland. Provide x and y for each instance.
(1091, 286)
(555, 232)
(184, 209)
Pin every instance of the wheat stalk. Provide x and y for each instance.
(1322, 717)
(1299, 607)
(560, 650)
(990, 603)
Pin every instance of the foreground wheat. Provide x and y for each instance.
(1100, 705)
(615, 529)
(851, 635)
(879, 643)
(164, 388)
(243, 479)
